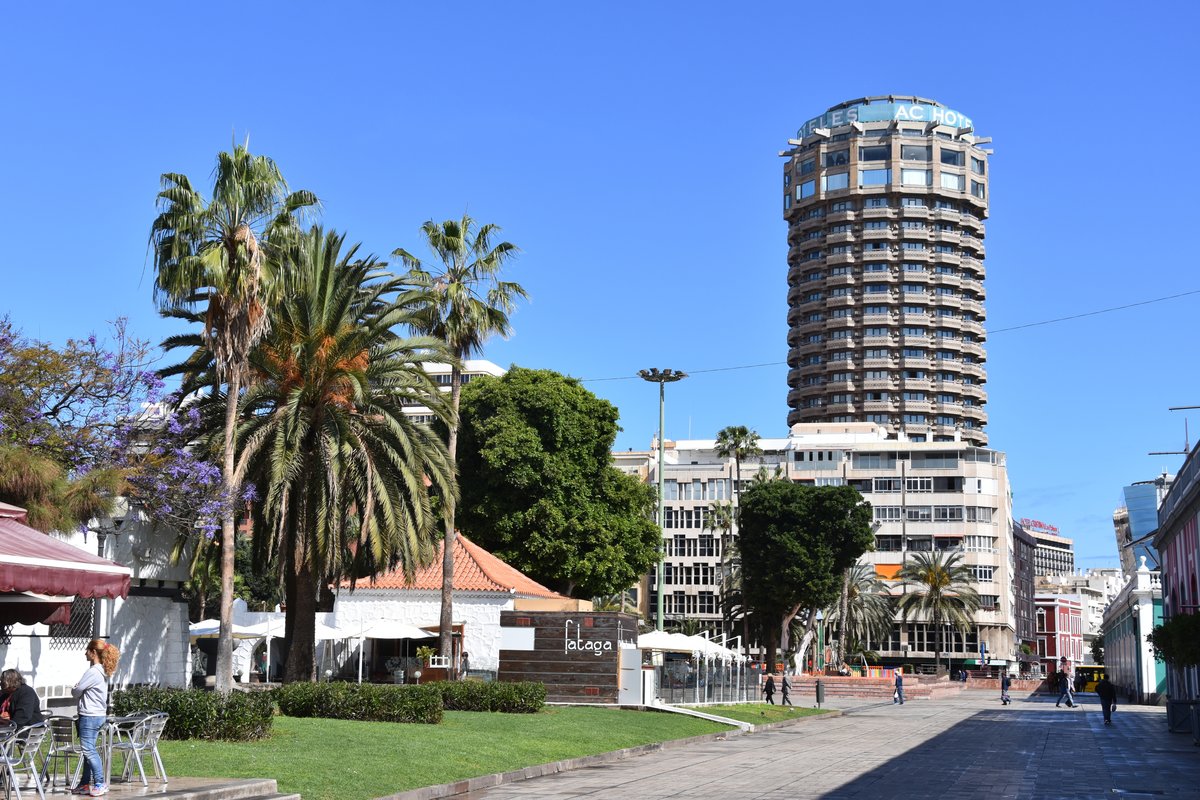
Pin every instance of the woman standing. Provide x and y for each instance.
(92, 694)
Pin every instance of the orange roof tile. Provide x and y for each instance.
(475, 570)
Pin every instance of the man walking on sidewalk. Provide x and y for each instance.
(1108, 698)
(898, 696)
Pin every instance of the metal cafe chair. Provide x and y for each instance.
(136, 735)
(63, 746)
(18, 755)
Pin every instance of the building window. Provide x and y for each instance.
(887, 513)
(838, 158)
(915, 152)
(78, 631)
(841, 205)
(977, 166)
(919, 485)
(914, 202)
(914, 419)
(954, 158)
(806, 189)
(977, 189)
(874, 153)
(947, 513)
(876, 202)
(836, 181)
(952, 181)
(874, 177)
(916, 177)
(1041, 628)
(808, 166)
(883, 485)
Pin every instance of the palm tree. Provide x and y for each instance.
(470, 303)
(720, 520)
(868, 610)
(942, 593)
(345, 475)
(737, 442)
(218, 254)
(52, 500)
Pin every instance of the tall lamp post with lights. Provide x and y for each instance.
(662, 378)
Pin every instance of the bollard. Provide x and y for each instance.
(820, 692)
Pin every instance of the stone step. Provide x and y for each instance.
(200, 789)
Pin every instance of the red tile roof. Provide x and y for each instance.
(475, 570)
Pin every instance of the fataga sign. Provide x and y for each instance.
(580, 645)
(881, 112)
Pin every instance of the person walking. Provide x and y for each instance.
(92, 694)
(1005, 684)
(1108, 698)
(1064, 688)
(785, 689)
(898, 695)
(769, 689)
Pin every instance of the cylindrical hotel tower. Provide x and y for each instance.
(885, 199)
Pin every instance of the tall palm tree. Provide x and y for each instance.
(942, 593)
(218, 254)
(470, 304)
(344, 474)
(867, 611)
(739, 443)
(719, 520)
(53, 500)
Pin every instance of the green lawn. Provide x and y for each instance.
(323, 759)
(759, 713)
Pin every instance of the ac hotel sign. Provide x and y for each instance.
(881, 112)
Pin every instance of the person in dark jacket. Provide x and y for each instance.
(1064, 687)
(1005, 684)
(19, 703)
(1108, 698)
(769, 689)
(785, 688)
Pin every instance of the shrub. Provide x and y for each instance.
(1177, 641)
(361, 701)
(506, 698)
(197, 714)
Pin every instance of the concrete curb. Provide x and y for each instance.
(554, 767)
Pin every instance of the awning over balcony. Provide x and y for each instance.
(31, 561)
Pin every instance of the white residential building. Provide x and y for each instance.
(472, 369)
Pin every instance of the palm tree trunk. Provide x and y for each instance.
(446, 622)
(224, 678)
(300, 627)
(843, 610)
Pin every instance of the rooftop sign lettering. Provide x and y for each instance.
(886, 112)
(1038, 525)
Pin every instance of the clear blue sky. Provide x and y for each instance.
(630, 150)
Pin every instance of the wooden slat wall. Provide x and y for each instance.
(570, 675)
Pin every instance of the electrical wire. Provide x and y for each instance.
(990, 333)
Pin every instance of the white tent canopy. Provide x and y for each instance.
(678, 643)
(393, 629)
(211, 628)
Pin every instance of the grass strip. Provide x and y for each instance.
(323, 759)
(759, 713)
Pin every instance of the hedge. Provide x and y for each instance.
(361, 701)
(197, 714)
(506, 698)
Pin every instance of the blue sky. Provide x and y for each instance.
(630, 151)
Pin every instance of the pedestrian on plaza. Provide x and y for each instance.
(898, 695)
(1064, 688)
(92, 694)
(464, 666)
(1108, 698)
(769, 689)
(785, 689)
(1005, 684)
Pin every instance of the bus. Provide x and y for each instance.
(1086, 677)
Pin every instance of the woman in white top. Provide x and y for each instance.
(92, 694)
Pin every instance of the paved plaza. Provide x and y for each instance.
(968, 746)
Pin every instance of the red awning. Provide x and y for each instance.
(26, 608)
(31, 561)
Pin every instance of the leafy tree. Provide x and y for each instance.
(54, 502)
(469, 304)
(539, 488)
(737, 442)
(345, 475)
(220, 255)
(1177, 641)
(868, 610)
(795, 540)
(943, 593)
(1098, 649)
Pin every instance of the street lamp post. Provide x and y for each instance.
(662, 378)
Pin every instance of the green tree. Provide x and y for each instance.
(539, 488)
(1098, 649)
(345, 475)
(469, 304)
(795, 540)
(942, 593)
(739, 443)
(220, 254)
(52, 500)
(868, 610)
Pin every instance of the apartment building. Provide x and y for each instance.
(927, 496)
